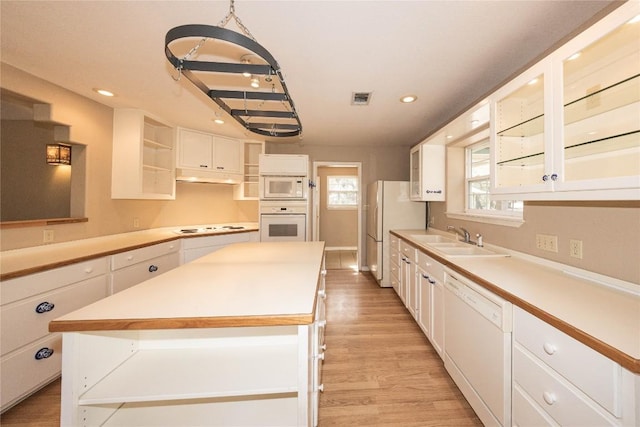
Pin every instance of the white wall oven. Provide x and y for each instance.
(283, 221)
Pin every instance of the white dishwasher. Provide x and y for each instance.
(477, 341)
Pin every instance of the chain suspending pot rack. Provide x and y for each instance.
(231, 61)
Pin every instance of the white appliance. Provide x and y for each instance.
(283, 221)
(273, 187)
(477, 351)
(389, 207)
(283, 164)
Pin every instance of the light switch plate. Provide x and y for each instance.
(547, 242)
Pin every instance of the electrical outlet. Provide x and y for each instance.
(48, 236)
(136, 222)
(575, 248)
(547, 242)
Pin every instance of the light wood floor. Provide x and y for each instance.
(379, 370)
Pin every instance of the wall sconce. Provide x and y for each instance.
(58, 154)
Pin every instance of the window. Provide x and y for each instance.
(342, 192)
(478, 199)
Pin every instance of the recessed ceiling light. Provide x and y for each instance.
(532, 82)
(408, 99)
(218, 121)
(449, 136)
(574, 56)
(634, 20)
(104, 92)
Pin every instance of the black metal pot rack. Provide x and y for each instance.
(275, 122)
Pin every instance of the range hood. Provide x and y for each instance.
(214, 177)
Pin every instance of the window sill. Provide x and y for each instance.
(506, 221)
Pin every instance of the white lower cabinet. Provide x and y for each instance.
(395, 262)
(196, 247)
(30, 354)
(132, 267)
(563, 382)
(408, 280)
(430, 276)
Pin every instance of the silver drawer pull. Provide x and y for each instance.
(153, 268)
(44, 353)
(44, 307)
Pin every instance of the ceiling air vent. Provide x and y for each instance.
(360, 98)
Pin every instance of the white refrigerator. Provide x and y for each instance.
(389, 207)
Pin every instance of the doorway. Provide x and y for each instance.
(337, 212)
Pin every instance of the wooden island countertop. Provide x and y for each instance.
(244, 284)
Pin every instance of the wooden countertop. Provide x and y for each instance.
(21, 262)
(243, 284)
(604, 318)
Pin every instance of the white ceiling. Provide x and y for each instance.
(448, 53)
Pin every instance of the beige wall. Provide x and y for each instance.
(29, 187)
(338, 228)
(91, 123)
(385, 163)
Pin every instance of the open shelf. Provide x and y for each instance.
(277, 411)
(155, 144)
(198, 373)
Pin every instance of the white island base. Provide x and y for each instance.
(255, 376)
(225, 365)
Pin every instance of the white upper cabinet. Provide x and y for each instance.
(143, 157)
(569, 127)
(427, 178)
(204, 157)
(248, 189)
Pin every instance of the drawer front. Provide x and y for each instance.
(130, 276)
(554, 394)
(395, 270)
(407, 250)
(224, 239)
(597, 376)
(526, 412)
(432, 267)
(394, 242)
(23, 374)
(126, 259)
(28, 320)
(33, 284)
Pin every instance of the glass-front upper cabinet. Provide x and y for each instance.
(600, 110)
(521, 130)
(569, 127)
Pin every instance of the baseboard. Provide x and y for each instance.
(341, 248)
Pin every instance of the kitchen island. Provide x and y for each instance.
(233, 338)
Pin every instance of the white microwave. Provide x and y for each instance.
(283, 187)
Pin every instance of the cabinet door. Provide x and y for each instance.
(521, 134)
(424, 302)
(414, 162)
(598, 134)
(228, 155)
(195, 150)
(437, 317)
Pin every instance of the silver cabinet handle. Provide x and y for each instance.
(153, 268)
(44, 307)
(44, 353)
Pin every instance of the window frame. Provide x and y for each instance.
(331, 206)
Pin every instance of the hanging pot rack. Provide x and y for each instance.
(280, 119)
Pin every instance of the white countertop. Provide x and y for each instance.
(24, 261)
(578, 306)
(243, 284)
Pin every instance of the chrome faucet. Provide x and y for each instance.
(462, 232)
